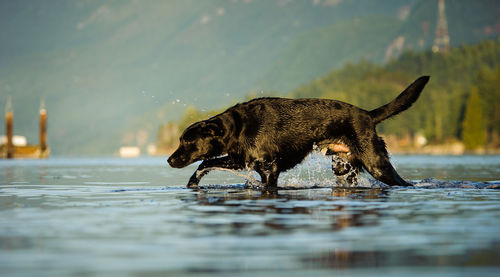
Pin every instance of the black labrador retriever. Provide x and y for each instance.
(272, 135)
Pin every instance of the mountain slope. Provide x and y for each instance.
(317, 52)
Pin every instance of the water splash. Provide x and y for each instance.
(316, 171)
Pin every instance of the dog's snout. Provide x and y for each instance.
(173, 162)
(176, 161)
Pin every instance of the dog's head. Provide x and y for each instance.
(202, 140)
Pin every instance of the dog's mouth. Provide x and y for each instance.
(179, 162)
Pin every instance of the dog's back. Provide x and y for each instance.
(306, 114)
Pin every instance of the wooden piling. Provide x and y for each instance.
(43, 127)
(9, 126)
(24, 151)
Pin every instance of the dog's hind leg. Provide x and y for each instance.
(208, 165)
(376, 161)
(383, 171)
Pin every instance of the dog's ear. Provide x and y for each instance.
(202, 129)
(213, 129)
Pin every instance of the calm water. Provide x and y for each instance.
(116, 217)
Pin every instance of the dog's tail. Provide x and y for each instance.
(401, 103)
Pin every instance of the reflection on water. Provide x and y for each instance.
(134, 217)
(289, 211)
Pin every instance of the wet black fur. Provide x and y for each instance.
(272, 135)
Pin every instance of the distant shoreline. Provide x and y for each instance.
(443, 149)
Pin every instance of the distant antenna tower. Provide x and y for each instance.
(442, 41)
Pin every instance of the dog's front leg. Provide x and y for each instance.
(269, 174)
(208, 165)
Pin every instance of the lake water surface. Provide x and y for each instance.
(133, 217)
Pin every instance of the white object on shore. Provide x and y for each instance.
(130, 151)
(16, 140)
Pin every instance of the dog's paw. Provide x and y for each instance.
(269, 189)
(192, 186)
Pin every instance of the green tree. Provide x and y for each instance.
(488, 82)
(473, 129)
